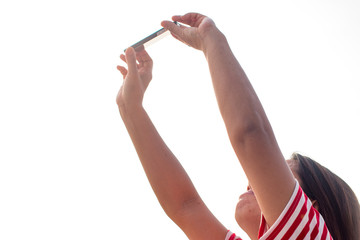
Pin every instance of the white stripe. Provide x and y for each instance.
(228, 235)
(312, 226)
(293, 217)
(321, 225)
(327, 236)
(304, 221)
(286, 209)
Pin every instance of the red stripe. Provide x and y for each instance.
(262, 227)
(315, 231)
(286, 216)
(297, 221)
(232, 237)
(325, 232)
(306, 229)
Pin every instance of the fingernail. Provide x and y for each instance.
(130, 50)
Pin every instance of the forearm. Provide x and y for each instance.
(167, 177)
(239, 105)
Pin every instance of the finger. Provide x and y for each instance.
(122, 70)
(191, 19)
(122, 57)
(177, 18)
(172, 27)
(144, 58)
(178, 38)
(139, 48)
(130, 56)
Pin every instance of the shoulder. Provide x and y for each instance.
(299, 220)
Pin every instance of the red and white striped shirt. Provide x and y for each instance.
(299, 220)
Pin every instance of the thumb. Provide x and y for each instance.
(172, 27)
(130, 56)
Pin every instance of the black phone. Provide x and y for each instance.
(149, 40)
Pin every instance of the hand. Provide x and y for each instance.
(136, 78)
(200, 28)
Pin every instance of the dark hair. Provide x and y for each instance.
(337, 203)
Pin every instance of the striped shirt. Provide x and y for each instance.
(299, 220)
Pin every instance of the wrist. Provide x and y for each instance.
(130, 111)
(213, 40)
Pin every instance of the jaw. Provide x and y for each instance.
(248, 215)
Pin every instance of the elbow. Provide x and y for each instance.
(249, 129)
(184, 213)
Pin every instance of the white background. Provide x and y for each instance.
(68, 169)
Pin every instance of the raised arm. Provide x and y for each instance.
(171, 184)
(248, 128)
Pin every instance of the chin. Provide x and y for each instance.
(248, 213)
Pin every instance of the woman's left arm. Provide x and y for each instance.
(247, 125)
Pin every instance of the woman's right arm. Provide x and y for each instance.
(171, 184)
(248, 128)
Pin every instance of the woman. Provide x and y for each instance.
(275, 206)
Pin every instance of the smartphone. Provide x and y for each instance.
(149, 40)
